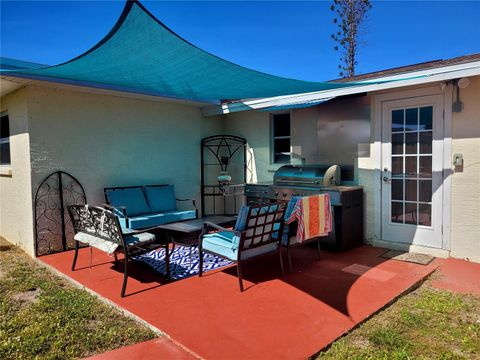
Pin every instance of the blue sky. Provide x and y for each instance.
(283, 38)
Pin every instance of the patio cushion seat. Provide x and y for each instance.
(225, 243)
(179, 215)
(161, 198)
(144, 221)
(140, 239)
(105, 245)
(132, 198)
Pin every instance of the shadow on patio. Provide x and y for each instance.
(282, 318)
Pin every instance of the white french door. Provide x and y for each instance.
(412, 170)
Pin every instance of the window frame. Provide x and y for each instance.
(273, 137)
(6, 140)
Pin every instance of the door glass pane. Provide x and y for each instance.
(411, 184)
(397, 120)
(426, 118)
(425, 166)
(411, 143)
(425, 214)
(397, 189)
(425, 141)
(425, 190)
(411, 190)
(397, 166)
(411, 166)
(411, 213)
(397, 143)
(397, 212)
(411, 119)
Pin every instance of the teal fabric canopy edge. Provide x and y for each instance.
(142, 55)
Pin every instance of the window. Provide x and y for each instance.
(281, 139)
(4, 139)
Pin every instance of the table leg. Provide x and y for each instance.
(167, 258)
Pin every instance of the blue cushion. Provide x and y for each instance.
(161, 198)
(145, 221)
(179, 215)
(224, 243)
(132, 198)
(242, 218)
(241, 223)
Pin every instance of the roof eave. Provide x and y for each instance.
(95, 88)
(417, 78)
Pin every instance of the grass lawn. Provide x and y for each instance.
(44, 317)
(425, 324)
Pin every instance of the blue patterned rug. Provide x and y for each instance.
(184, 261)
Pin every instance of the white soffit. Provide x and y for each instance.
(7, 86)
(18, 82)
(410, 79)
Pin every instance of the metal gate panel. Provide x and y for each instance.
(53, 228)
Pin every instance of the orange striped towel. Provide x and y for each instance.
(314, 216)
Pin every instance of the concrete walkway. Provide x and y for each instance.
(458, 276)
(160, 348)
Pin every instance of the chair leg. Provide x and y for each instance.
(289, 259)
(281, 261)
(116, 259)
(318, 249)
(125, 275)
(75, 256)
(167, 260)
(239, 273)
(200, 264)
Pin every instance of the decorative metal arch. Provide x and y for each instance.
(223, 148)
(53, 228)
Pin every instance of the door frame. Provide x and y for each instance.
(447, 93)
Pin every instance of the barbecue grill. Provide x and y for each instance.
(306, 180)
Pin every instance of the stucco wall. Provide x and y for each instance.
(315, 133)
(16, 218)
(255, 127)
(114, 141)
(465, 215)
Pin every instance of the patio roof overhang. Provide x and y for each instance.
(141, 55)
(295, 101)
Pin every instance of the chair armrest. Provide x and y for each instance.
(207, 225)
(117, 210)
(192, 200)
(193, 203)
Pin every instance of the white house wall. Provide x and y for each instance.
(465, 198)
(16, 215)
(111, 141)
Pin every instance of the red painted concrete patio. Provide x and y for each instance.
(275, 318)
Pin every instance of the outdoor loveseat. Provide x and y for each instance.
(139, 207)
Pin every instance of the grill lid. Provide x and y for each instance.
(308, 176)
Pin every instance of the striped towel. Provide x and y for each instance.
(314, 216)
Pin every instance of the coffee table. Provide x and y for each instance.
(186, 233)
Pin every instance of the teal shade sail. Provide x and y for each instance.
(142, 55)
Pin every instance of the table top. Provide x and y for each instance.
(196, 225)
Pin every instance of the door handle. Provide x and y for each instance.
(386, 179)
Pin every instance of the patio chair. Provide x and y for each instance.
(251, 236)
(100, 228)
